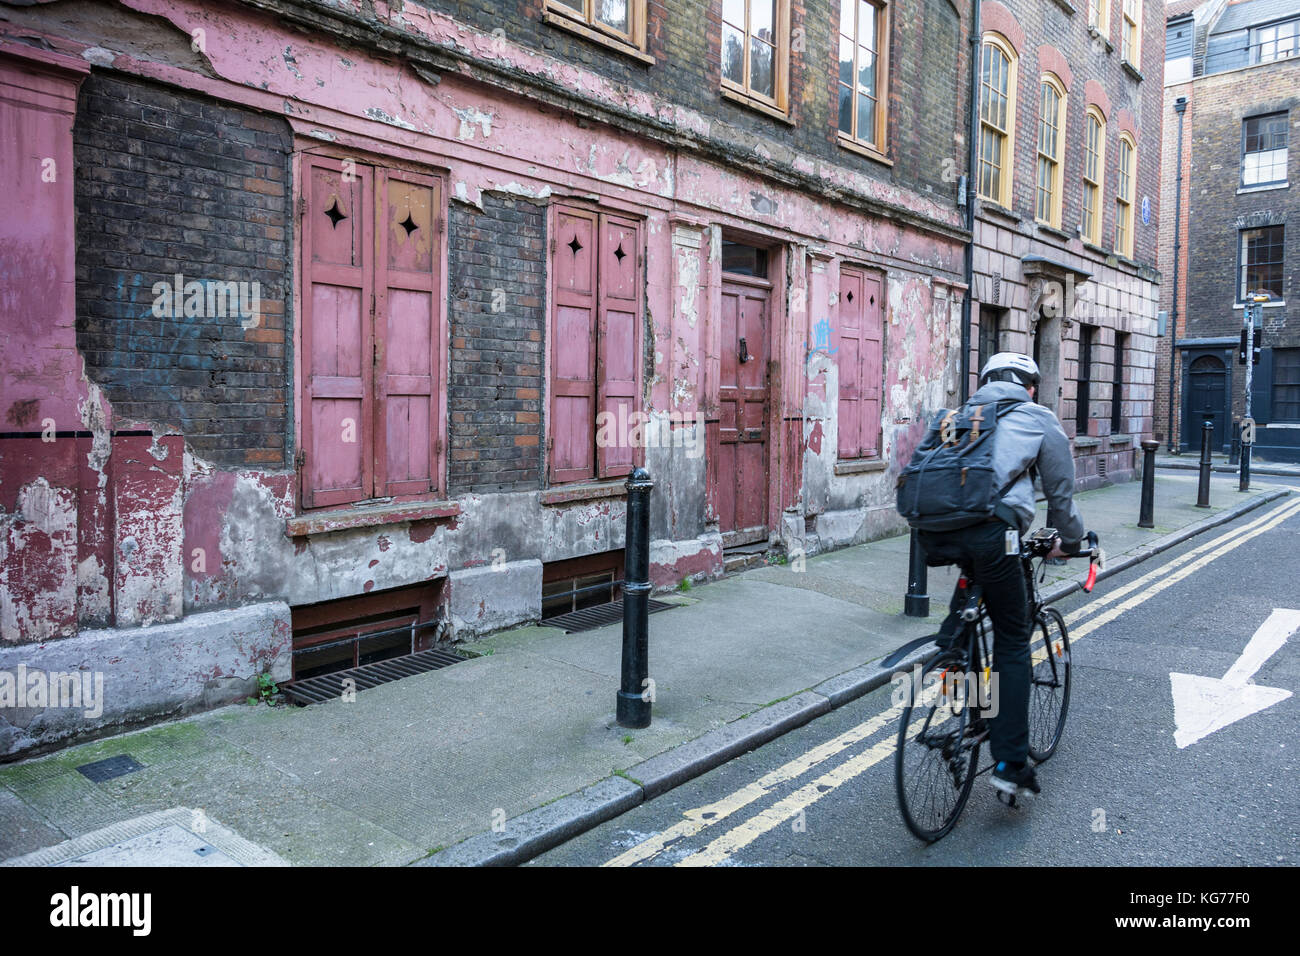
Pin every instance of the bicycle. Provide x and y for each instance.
(946, 736)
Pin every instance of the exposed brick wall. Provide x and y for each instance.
(1215, 212)
(1168, 193)
(170, 182)
(928, 76)
(1218, 211)
(494, 396)
(1100, 69)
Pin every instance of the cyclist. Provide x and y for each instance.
(1028, 438)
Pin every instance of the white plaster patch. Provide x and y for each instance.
(375, 113)
(518, 189)
(98, 56)
(470, 117)
(461, 194)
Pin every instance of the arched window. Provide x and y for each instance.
(997, 119)
(1051, 126)
(1094, 161)
(1124, 196)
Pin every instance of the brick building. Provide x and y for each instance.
(1234, 70)
(1067, 182)
(334, 330)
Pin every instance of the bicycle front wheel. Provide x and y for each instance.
(1049, 686)
(937, 753)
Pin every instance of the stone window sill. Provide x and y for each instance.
(860, 467)
(565, 494)
(1053, 230)
(1132, 71)
(999, 210)
(863, 150)
(1087, 441)
(1262, 187)
(1120, 439)
(766, 108)
(324, 522)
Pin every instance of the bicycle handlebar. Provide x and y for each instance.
(1092, 552)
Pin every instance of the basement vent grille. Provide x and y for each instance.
(110, 768)
(314, 690)
(1101, 466)
(590, 618)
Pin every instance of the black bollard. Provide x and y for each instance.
(1246, 447)
(1203, 488)
(634, 697)
(1234, 452)
(917, 602)
(1146, 517)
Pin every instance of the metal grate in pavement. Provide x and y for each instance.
(315, 690)
(110, 767)
(590, 618)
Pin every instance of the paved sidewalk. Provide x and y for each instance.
(1191, 461)
(523, 737)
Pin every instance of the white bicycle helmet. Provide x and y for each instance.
(1013, 365)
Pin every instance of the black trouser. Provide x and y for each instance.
(980, 551)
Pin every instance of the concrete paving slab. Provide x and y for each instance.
(179, 836)
(22, 829)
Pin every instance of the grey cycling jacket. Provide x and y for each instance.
(1031, 435)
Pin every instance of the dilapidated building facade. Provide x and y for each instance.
(328, 322)
(1067, 185)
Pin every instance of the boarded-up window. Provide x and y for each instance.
(858, 354)
(596, 265)
(371, 333)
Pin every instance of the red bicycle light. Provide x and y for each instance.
(1092, 577)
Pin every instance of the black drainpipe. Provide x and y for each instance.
(972, 158)
(1171, 440)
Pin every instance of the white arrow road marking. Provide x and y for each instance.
(1203, 705)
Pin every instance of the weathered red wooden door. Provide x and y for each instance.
(406, 287)
(573, 374)
(742, 434)
(337, 342)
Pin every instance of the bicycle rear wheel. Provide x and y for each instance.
(1049, 686)
(937, 755)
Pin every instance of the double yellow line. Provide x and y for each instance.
(740, 836)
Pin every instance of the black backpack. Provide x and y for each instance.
(948, 484)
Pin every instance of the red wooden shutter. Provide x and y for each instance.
(872, 383)
(337, 293)
(849, 360)
(406, 332)
(573, 350)
(616, 360)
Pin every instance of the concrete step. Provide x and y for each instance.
(743, 560)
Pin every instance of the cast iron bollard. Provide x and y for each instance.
(917, 602)
(633, 707)
(1234, 453)
(1146, 518)
(1247, 447)
(1203, 488)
